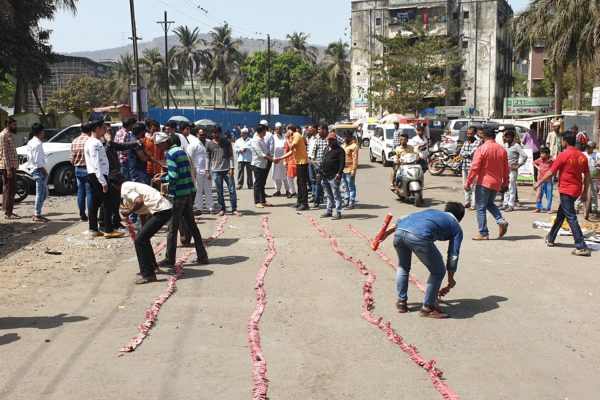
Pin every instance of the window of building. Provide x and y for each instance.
(377, 21)
(187, 92)
(465, 15)
(465, 44)
(454, 15)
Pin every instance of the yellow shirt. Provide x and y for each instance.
(299, 149)
(400, 151)
(351, 151)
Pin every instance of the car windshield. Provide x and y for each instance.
(67, 135)
(389, 133)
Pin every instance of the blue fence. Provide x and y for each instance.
(227, 119)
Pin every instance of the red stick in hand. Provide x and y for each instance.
(379, 237)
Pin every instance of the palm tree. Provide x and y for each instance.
(176, 77)
(337, 64)
(153, 67)
(238, 78)
(187, 53)
(297, 43)
(123, 75)
(209, 73)
(225, 51)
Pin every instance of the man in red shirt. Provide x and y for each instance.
(571, 164)
(490, 169)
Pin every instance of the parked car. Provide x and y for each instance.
(450, 138)
(436, 129)
(382, 142)
(57, 150)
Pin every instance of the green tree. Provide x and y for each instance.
(123, 75)
(225, 52)
(413, 69)
(285, 69)
(7, 90)
(314, 97)
(298, 43)
(81, 93)
(188, 52)
(153, 67)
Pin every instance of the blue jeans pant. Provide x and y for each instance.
(84, 191)
(545, 189)
(484, 201)
(405, 244)
(218, 178)
(350, 183)
(125, 170)
(312, 176)
(41, 190)
(316, 186)
(332, 189)
(566, 210)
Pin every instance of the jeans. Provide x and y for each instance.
(260, 180)
(510, 197)
(545, 189)
(183, 209)
(566, 210)
(84, 191)
(484, 201)
(407, 243)
(332, 189)
(41, 190)
(143, 247)
(469, 194)
(350, 184)
(247, 166)
(138, 176)
(302, 181)
(218, 178)
(125, 170)
(317, 189)
(312, 176)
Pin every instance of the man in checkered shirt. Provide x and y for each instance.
(9, 163)
(466, 153)
(122, 136)
(84, 190)
(318, 151)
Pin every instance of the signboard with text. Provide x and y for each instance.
(528, 106)
(596, 97)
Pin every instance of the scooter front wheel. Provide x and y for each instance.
(418, 196)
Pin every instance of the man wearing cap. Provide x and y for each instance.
(279, 170)
(330, 175)
(554, 140)
(181, 193)
(500, 135)
(244, 158)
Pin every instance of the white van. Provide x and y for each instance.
(382, 142)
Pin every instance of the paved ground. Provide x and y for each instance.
(525, 320)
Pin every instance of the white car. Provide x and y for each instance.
(367, 133)
(57, 150)
(382, 142)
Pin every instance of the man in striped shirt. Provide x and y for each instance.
(181, 193)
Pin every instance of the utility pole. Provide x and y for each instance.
(165, 25)
(269, 78)
(138, 95)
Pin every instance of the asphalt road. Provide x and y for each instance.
(524, 317)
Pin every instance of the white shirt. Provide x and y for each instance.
(279, 145)
(197, 152)
(269, 141)
(35, 153)
(153, 201)
(96, 161)
(418, 141)
(259, 151)
(184, 141)
(311, 145)
(241, 144)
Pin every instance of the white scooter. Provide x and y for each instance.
(410, 179)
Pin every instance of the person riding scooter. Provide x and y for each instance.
(401, 150)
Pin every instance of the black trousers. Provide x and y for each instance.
(183, 210)
(98, 199)
(302, 181)
(111, 205)
(244, 166)
(143, 247)
(260, 180)
(269, 165)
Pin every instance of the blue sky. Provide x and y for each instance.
(106, 23)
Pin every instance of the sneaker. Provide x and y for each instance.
(326, 214)
(277, 194)
(113, 234)
(586, 252)
(502, 228)
(548, 242)
(349, 207)
(238, 187)
(259, 205)
(479, 237)
(303, 207)
(336, 216)
(401, 307)
(429, 313)
(508, 209)
(288, 194)
(166, 264)
(92, 233)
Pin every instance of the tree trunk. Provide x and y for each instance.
(193, 91)
(215, 95)
(558, 89)
(173, 98)
(20, 94)
(39, 103)
(579, 85)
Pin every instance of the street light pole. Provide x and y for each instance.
(165, 25)
(138, 96)
(269, 78)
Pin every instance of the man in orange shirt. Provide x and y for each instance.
(298, 150)
(156, 153)
(490, 169)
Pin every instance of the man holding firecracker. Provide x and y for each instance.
(417, 233)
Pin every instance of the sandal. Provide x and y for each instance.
(37, 218)
(401, 307)
(148, 279)
(432, 313)
(237, 213)
(12, 216)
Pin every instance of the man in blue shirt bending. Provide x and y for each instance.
(416, 233)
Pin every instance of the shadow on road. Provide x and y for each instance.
(523, 237)
(228, 260)
(369, 206)
(468, 308)
(18, 234)
(189, 273)
(224, 242)
(9, 338)
(359, 216)
(38, 322)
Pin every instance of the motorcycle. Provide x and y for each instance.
(441, 159)
(410, 179)
(25, 183)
